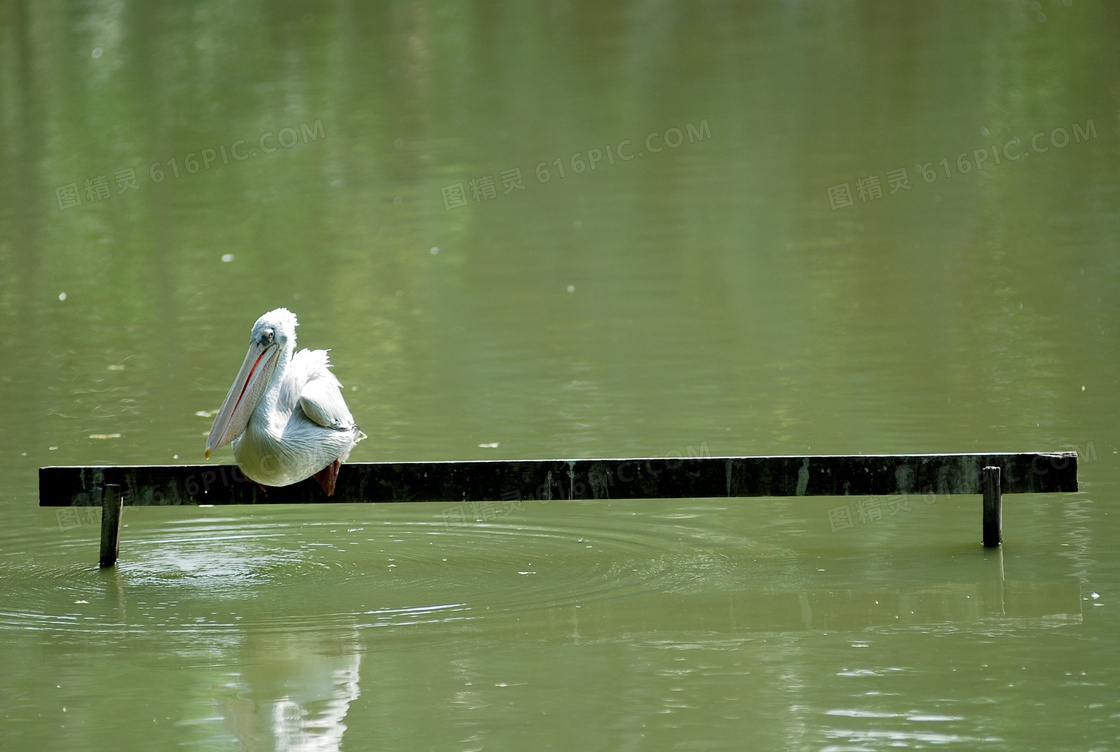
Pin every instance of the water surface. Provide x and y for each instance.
(565, 231)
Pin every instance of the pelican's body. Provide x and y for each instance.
(285, 413)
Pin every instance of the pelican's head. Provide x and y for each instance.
(275, 327)
(273, 335)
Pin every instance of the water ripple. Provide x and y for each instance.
(189, 571)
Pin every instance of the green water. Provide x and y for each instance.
(565, 230)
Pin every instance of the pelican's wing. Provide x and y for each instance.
(321, 395)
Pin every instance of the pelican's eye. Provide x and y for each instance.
(267, 336)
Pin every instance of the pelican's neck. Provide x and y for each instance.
(269, 414)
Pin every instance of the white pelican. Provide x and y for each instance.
(285, 413)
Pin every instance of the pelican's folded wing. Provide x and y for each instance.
(321, 394)
(322, 401)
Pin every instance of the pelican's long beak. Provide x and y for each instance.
(247, 390)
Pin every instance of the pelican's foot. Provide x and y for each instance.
(328, 476)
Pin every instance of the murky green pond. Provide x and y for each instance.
(565, 230)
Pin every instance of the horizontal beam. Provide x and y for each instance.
(492, 480)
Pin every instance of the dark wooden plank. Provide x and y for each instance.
(112, 512)
(992, 518)
(638, 478)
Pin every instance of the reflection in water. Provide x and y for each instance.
(293, 691)
(272, 615)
